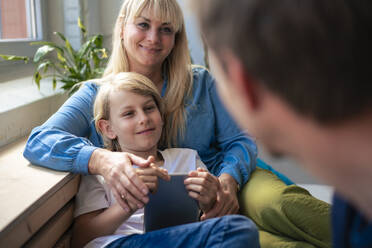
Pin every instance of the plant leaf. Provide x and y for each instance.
(74, 88)
(61, 58)
(82, 27)
(67, 44)
(69, 84)
(93, 43)
(60, 35)
(98, 40)
(84, 70)
(96, 59)
(52, 44)
(85, 48)
(42, 52)
(45, 65)
(98, 72)
(14, 58)
(54, 83)
(102, 52)
(37, 78)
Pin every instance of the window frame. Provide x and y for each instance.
(22, 47)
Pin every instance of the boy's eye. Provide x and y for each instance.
(127, 114)
(150, 108)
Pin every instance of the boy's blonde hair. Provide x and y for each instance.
(130, 81)
(177, 65)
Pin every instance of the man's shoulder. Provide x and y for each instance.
(349, 224)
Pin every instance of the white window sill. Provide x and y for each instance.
(23, 106)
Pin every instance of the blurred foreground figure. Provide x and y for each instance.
(300, 70)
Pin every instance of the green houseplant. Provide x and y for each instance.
(65, 64)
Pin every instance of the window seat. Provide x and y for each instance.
(36, 207)
(23, 106)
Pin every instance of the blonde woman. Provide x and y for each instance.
(129, 114)
(149, 38)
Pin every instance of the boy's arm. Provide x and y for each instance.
(95, 216)
(98, 223)
(227, 201)
(203, 187)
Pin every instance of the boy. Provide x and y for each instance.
(296, 74)
(129, 114)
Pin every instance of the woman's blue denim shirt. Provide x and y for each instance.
(66, 140)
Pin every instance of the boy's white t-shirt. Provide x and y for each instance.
(94, 193)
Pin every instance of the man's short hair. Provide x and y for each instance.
(314, 54)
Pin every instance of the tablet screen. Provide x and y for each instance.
(170, 205)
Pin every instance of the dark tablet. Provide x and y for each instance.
(170, 205)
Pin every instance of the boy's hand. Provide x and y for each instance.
(227, 199)
(203, 186)
(150, 176)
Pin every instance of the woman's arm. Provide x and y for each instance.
(238, 152)
(223, 147)
(61, 143)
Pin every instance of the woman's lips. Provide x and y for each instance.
(150, 49)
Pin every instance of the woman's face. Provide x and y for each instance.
(147, 41)
(135, 121)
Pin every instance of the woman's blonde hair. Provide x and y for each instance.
(130, 81)
(177, 65)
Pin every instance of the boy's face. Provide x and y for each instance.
(135, 120)
(276, 125)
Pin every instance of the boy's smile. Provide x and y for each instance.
(146, 131)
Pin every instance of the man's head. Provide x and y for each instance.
(315, 55)
(293, 72)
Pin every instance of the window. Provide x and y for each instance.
(20, 23)
(20, 20)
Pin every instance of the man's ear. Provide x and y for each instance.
(244, 82)
(105, 128)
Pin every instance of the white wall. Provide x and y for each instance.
(55, 18)
(109, 11)
(195, 43)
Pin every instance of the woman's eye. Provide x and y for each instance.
(143, 25)
(167, 30)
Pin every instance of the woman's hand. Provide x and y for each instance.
(227, 199)
(117, 170)
(149, 176)
(203, 187)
